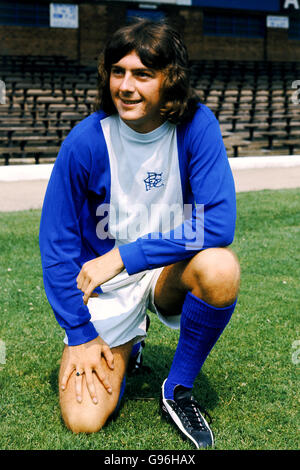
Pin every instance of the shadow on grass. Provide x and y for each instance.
(146, 385)
(53, 379)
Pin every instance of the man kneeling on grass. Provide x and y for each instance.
(138, 214)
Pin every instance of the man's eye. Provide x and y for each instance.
(116, 71)
(144, 74)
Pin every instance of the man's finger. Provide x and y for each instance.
(88, 292)
(91, 386)
(109, 357)
(81, 276)
(103, 379)
(66, 376)
(79, 280)
(78, 386)
(85, 284)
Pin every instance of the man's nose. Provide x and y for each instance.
(127, 83)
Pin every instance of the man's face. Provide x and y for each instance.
(136, 92)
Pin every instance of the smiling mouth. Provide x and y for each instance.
(130, 101)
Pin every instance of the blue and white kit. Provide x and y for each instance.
(159, 197)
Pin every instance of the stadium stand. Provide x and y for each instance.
(47, 96)
(252, 101)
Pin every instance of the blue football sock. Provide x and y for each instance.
(201, 325)
(135, 349)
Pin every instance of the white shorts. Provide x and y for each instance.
(119, 312)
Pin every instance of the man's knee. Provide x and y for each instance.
(88, 417)
(84, 422)
(216, 275)
(80, 418)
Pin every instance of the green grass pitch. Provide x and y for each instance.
(249, 383)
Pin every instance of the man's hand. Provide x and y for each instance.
(97, 271)
(86, 359)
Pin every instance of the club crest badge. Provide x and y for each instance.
(153, 180)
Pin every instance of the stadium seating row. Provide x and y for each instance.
(46, 96)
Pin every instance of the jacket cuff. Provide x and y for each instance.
(133, 257)
(81, 334)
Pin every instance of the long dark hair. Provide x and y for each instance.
(159, 47)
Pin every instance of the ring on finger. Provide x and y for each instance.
(79, 373)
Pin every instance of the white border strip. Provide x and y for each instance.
(25, 172)
(43, 171)
(247, 163)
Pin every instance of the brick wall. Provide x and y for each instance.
(279, 48)
(97, 22)
(18, 40)
(219, 48)
(232, 48)
(191, 29)
(93, 22)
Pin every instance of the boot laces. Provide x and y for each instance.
(192, 412)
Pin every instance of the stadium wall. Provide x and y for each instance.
(98, 21)
(23, 41)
